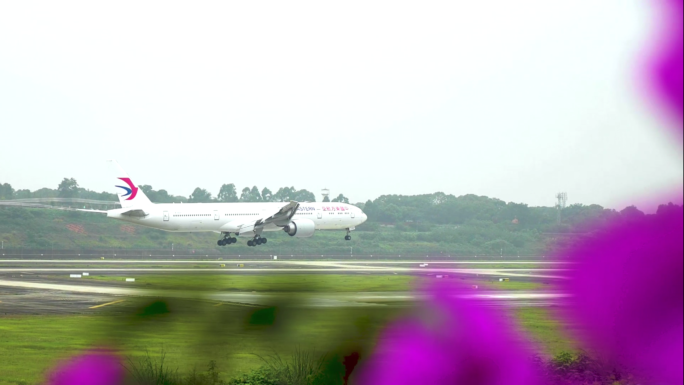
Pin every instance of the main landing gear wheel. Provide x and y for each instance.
(257, 241)
(226, 241)
(347, 237)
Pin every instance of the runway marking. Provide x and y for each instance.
(106, 304)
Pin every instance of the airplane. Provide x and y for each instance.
(244, 219)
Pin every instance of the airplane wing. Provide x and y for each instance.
(284, 215)
(280, 218)
(93, 211)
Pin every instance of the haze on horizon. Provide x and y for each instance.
(516, 101)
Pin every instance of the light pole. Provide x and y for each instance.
(351, 250)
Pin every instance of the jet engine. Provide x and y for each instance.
(300, 228)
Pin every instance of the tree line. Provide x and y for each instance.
(399, 224)
(417, 211)
(69, 188)
(406, 212)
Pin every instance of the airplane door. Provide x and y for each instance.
(166, 216)
(216, 215)
(320, 215)
(353, 215)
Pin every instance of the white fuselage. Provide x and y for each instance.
(226, 217)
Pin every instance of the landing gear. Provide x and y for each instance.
(227, 240)
(257, 241)
(347, 237)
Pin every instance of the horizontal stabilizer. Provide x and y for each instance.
(135, 213)
(93, 211)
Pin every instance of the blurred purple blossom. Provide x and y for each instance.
(667, 70)
(457, 341)
(627, 294)
(96, 367)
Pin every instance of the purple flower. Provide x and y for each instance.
(97, 367)
(667, 72)
(627, 294)
(458, 341)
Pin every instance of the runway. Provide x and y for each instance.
(330, 299)
(42, 286)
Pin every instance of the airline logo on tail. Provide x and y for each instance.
(131, 190)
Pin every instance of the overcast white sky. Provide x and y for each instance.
(511, 99)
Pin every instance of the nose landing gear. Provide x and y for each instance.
(347, 237)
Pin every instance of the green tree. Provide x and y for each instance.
(246, 195)
(161, 196)
(631, 213)
(22, 194)
(227, 193)
(45, 193)
(68, 188)
(6, 191)
(200, 195)
(341, 198)
(266, 195)
(304, 196)
(284, 194)
(256, 195)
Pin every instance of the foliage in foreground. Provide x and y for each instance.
(308, 367)
(150, 371)
(568, 368)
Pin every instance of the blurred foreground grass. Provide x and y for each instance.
(194, 332)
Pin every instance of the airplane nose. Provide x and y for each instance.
(363, 216)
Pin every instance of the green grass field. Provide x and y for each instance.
(548, 332)
(194, 332)
(271, 283)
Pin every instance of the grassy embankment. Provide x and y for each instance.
(48, 229)
(194, 332)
